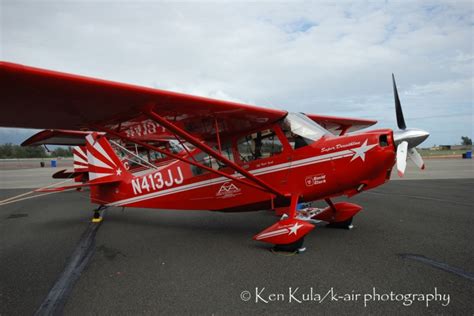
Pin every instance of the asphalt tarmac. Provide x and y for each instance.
(413, 237)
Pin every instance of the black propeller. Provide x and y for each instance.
(406, 139)
(398, 107)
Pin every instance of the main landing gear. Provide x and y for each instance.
(346, 214)
(288, 233)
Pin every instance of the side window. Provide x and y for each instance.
(296, 141)
(259, 145)
(211, 162)
(227, 151)
(154, 156)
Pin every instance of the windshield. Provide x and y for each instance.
(300, 130)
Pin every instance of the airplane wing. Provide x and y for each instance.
(341, 125)
(38, 98)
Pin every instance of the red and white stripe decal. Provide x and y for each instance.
(288, 165)
(100, 163)
(273, 233)
(80, 159)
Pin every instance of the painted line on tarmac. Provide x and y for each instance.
(439, 265)
(17, 198)
(56, 299)
(29, 197)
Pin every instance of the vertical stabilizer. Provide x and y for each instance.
(80, 159)
(103, 163)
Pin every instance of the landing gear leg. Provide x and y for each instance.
(97, 217)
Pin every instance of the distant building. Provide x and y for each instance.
(451, 147)
(441, 147)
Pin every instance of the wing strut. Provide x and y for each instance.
(196, 142)
(165, 152)
(217, 135)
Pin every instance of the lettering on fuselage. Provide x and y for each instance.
(156, 181)
(315, 179)
(146, 127)
(264, 164)
(339, 146)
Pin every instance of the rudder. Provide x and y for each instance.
(103, 163)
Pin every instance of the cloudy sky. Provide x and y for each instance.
(316, 57)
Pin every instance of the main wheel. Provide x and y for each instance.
(347, 224)
(296, 246)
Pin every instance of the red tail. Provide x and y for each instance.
(80, 159)
(104, 165)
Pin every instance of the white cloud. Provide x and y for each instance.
(461, 87)
(333, 58)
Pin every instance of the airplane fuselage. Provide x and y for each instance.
(331, 166)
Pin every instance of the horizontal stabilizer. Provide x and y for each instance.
(57, 137)
(63, 174)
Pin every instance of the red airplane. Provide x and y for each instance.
(233, 157)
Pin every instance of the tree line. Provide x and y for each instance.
(466, 141)
(15, 151)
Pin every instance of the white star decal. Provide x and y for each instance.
(119, 172)
(294, 229)
(360, 152)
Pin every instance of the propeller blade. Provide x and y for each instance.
(402, 158)
(416, 158)
(398, 107)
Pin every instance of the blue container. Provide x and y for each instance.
(53, 163)
(469, 154)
